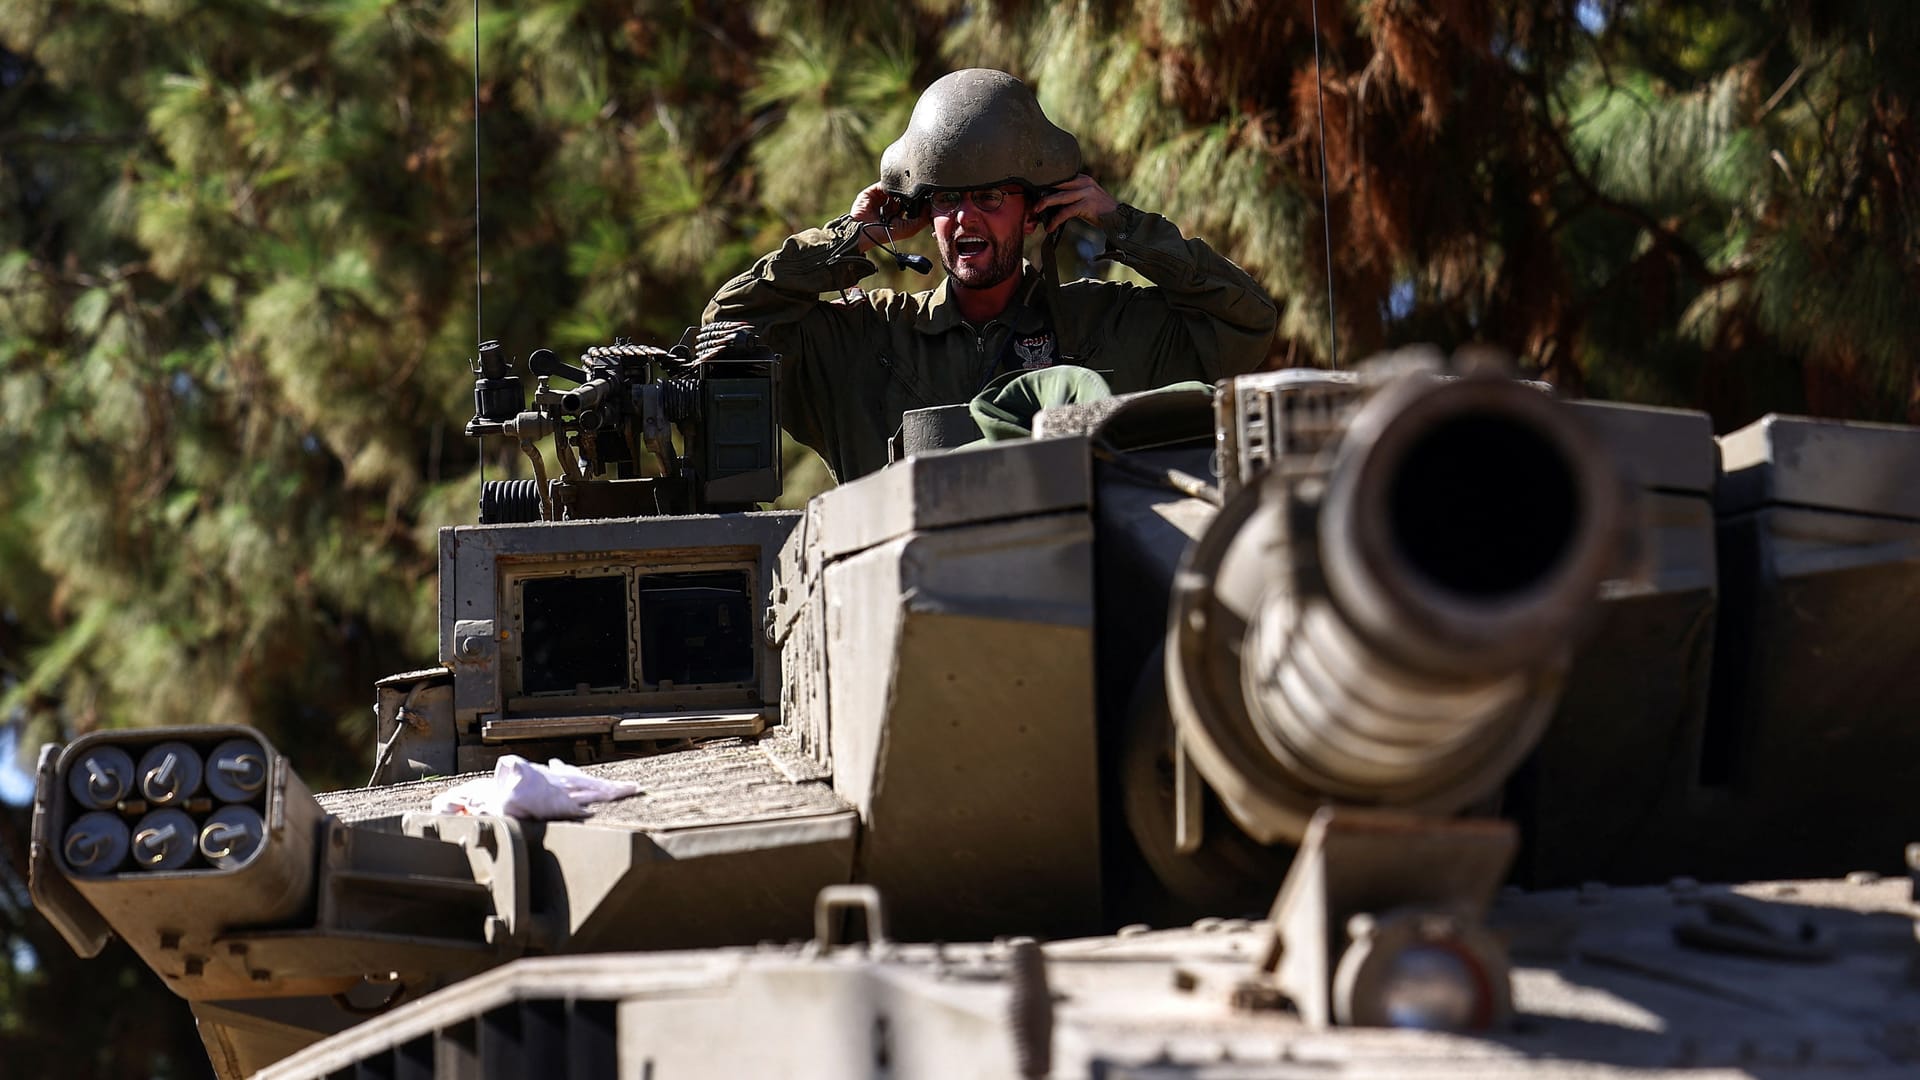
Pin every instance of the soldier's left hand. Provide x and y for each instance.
(1081, 197)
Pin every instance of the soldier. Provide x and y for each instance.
(981, 163)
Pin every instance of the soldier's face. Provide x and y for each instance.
(981, 248)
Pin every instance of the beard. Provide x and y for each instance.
(1003, 264)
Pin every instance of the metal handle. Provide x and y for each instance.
(835, 899)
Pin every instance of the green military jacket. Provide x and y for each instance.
(851, 365)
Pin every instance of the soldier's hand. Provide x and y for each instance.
(1081, 197)
(875, 204)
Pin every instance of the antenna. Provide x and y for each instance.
(1326, 214)
(479, 329)
(479, 294)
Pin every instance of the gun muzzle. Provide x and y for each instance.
(587, 394)
(1467, 524)
(1387, 624)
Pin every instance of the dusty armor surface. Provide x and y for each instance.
(1374, 724)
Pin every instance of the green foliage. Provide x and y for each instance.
(1662, 150)
(238, 253)
(236, 273)
(840, 104)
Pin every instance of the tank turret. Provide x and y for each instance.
(1318, 659)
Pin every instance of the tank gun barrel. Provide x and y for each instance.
(1384, 618)
(1467, 524)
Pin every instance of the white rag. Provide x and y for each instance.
(519, 788)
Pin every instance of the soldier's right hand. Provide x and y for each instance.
(876, 204)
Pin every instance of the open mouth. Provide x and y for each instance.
(968, 246)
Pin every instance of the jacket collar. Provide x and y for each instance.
(941, 313)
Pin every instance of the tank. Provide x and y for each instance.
(1398, 722)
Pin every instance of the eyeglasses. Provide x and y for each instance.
(985, 200)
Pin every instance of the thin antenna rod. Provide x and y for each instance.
(479, 331)
(1326, 214)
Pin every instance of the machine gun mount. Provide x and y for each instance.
(717, 390)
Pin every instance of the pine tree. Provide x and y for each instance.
(1695, 204)
(238, 253)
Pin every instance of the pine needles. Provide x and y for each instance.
(236, 250)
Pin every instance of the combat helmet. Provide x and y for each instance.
(978, 128)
